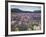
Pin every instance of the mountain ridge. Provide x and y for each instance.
(21, 11)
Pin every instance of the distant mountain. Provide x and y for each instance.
(20, 11)
(15, 10)
(37, 11)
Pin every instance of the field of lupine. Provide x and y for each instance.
(25, 21)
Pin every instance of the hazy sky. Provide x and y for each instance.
(26, 8)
